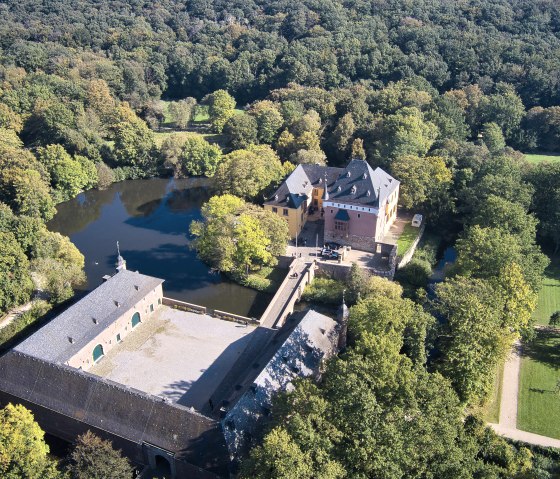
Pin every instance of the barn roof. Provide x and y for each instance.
(125, 412)
(70, 331)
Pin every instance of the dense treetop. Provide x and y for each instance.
(251, 47)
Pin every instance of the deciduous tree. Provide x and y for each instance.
(23, 452)
(94, 458)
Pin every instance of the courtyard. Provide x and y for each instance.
(179, 356)
(311, 240)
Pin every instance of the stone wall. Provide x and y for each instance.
(121, 326)
(362, 243)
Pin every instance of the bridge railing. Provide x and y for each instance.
(215, 313)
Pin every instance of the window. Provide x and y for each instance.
(151, 308)
(359, 215)
(159, 301)
(119, 338)
(315, 203)
(275, 210)
(340, 225)
(331, 211)
(97, 353)
(285, 212)
(135, 319)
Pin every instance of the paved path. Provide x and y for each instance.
(510, 389)
(508, 405)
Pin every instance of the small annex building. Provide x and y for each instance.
(311, 339)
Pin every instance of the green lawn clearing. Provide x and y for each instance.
(491, 410)
(549, 294)
(539, 158)
(539, 403)
(409, 234)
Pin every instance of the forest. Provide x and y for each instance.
(447, 96)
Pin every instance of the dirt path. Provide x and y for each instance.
(14, 313)
(507, 425)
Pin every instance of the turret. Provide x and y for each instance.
(342, 316)
(121, 263)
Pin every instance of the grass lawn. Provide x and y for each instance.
(406, 239)
(539, 158)
(539, 404)
(491, 410)
(549, 294)
(200, 116)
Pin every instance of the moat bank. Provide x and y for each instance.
(150, 219)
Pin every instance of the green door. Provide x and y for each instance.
(135, 319)
(97, 353)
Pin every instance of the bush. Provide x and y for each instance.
(267, 279)
(555, 319)
(38, 309)
(416, 273)
(324, 290)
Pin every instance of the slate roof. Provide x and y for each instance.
(357, 184)
(342, 215)
(360, 184)
(314, 338)
(299, 184)
(62, 397)
(52, 341)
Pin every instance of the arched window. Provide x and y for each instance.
(97, 353)
(135, 319)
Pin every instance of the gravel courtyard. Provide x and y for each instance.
(177, 355)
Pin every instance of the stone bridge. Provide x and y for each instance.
(289, 293)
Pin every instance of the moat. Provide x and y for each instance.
(150, 219)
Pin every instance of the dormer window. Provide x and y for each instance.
(339, 188)
(353, 190)
(368, 193)
(95, 320)
(275, 197)
(348, 174)
(320, 181)
(364, 176)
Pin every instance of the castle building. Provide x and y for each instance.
(358, 203)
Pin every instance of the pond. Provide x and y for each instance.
(150, 219)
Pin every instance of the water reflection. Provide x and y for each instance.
(150, 219)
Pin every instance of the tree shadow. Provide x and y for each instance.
(545, 349)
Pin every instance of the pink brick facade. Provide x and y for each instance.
(360, 230)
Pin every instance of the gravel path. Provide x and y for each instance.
(510, 388)
(507, 426)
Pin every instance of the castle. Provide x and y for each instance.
(358, 203)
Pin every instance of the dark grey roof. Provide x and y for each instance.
(299, 184)
(359, 184)
(52, 341)
(314, 338)
(61, 392)
(342, 215)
